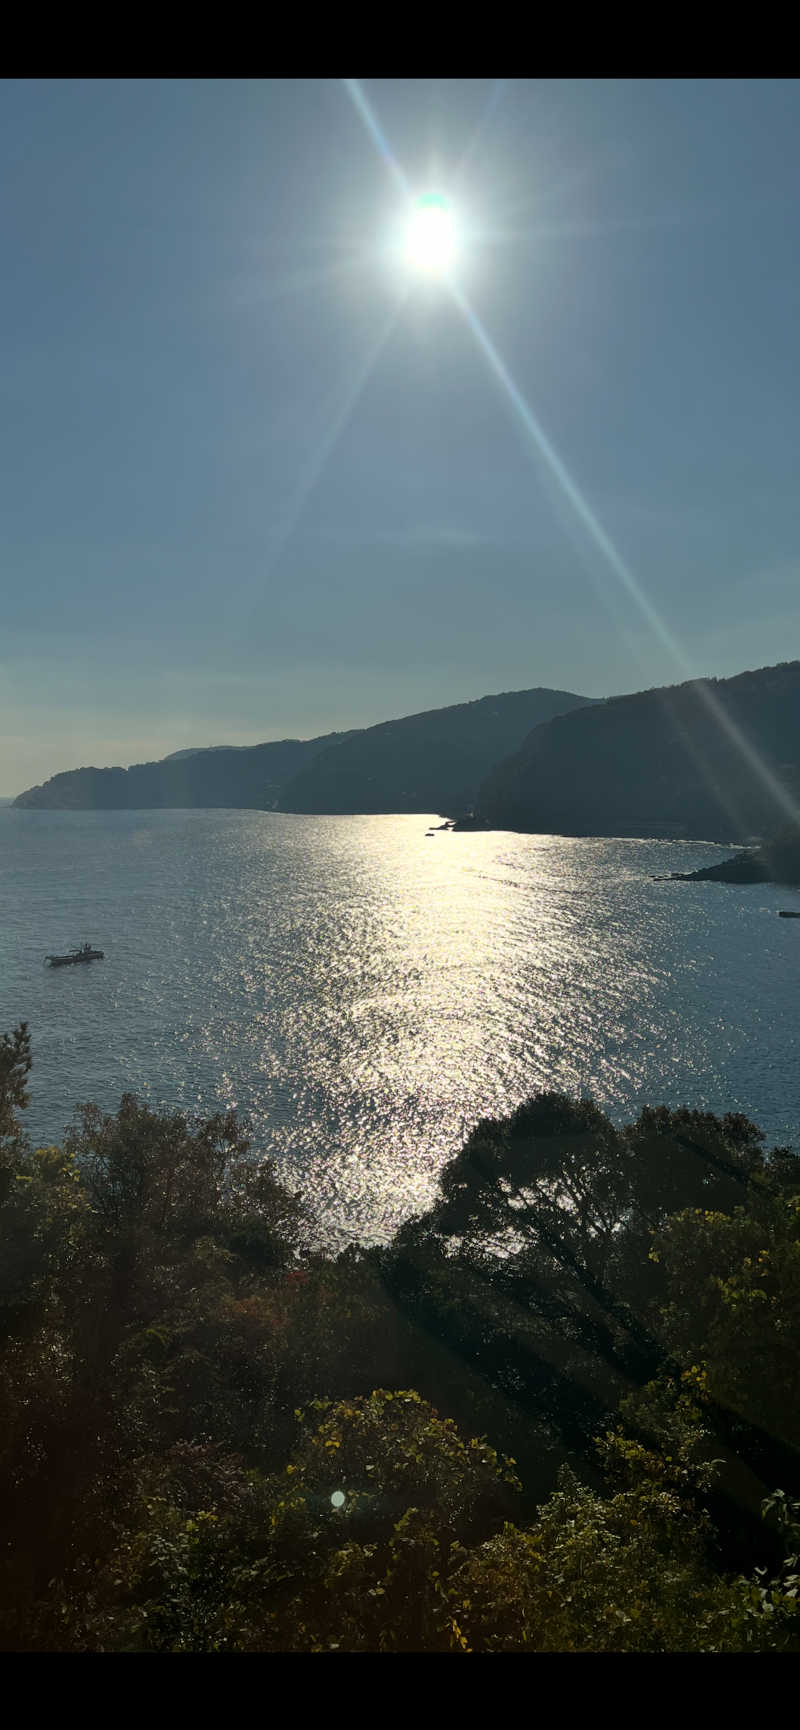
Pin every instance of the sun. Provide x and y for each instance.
(431, 236)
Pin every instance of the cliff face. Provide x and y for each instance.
(701, 759)
(433, 761)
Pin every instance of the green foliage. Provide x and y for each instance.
(143, 1300)
(534, 1267)
(154, 1174)
(591, 1575)
(391, 1450)
(15, 1063)
(209, 1442)
(732, 1307)
(374, 1491)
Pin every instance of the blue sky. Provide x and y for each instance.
(256, 482)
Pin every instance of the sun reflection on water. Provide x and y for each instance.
(364, 994)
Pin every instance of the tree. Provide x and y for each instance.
(731, 1313)
(170, 1479)
(337, 1552)
(534, 1264)
(142, 1297)
(15, 1064)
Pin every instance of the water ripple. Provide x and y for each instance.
(363, 995)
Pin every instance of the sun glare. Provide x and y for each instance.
(431, 239)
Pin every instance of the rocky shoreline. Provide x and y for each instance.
(773, 862)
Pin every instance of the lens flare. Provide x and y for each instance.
(431, 246)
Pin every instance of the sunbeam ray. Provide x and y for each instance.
(558, 469)
(378, 136)
(602, 541)
(597, 535)
(491, 106)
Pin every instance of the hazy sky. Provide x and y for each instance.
(258, 481)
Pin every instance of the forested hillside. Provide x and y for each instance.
(715, 759)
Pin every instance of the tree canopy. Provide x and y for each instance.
(558, 1413)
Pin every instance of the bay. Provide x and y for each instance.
(362, 992)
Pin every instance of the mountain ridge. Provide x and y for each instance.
(433, 760)
(430, 759)
(238, 777)
(714, 759)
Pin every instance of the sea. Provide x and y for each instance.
(363, 991)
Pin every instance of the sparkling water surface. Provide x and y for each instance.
(362, 992)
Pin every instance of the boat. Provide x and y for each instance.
(788, 914)
(84, 953)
